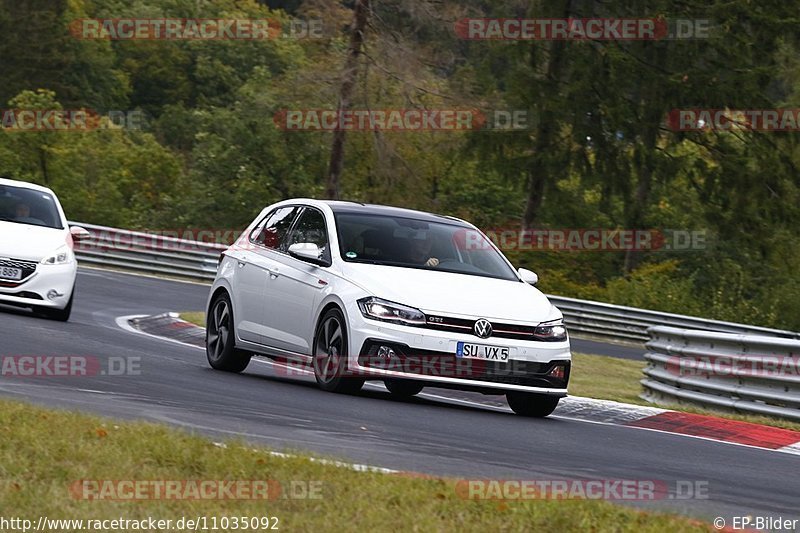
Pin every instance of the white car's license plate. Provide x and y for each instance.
(481, 351)
(10, 273)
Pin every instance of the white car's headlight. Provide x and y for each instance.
(379, 309)
(60, 257)
(553, 331)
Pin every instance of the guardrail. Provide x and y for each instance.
(631, 323)
(155, 254)
(741, 373)
(148, 253)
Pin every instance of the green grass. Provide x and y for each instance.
(610, 378)
(198, 318)
(38, 465)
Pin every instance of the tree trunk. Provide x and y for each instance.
(541, 170)
(360, 18)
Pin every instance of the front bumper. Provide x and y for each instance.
(429, 355)
(33, 291)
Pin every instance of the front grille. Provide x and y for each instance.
(443, 364)
(27, 267)
(462, 325)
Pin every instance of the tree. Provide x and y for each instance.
(349, 74)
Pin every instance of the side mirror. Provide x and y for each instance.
(528, 276)
(79, 234)
(307, 251)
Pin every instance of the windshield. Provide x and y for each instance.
(413, 243)
(26, 206)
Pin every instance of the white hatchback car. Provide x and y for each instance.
(37, 265)
(365, 292)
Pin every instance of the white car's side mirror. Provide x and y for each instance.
(306, 250)
(528, 276)
(79, 234)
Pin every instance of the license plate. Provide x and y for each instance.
(10, 273)
(481, 351)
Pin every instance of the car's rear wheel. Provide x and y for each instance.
(61, 315)
(403, 388)
(532, 404)
(330, 355)
(221, 348)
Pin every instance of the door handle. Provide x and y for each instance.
(273, 271)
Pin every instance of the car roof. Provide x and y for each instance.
(25, 185)
(358, 208)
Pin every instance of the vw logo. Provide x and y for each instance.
(482, 328)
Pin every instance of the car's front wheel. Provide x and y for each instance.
(221, 349)
(330, 355)
(532, 404)
(403, 388)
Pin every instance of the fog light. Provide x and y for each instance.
(52, 294)
(557, 372)
(384, 352)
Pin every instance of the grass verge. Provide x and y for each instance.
(39, 465)
(198, 318)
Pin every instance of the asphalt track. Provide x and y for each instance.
(429, 434)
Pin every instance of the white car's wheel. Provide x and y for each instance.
(330, 355)
(403, 388)
(531, 404)
(62, 315)
(221, 350)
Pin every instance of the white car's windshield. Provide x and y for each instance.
(413, 243)
(27, 206)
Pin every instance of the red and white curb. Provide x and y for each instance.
(592, 410)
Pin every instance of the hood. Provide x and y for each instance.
(454, 294)
(32, 243)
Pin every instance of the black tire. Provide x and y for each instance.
(403, 388)
(61, 315)
(221, 348)
(330, 355)
(532, 404)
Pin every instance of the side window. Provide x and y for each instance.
(310, 227)
(272, 230)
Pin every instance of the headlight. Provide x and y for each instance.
(390, 312)
(61, 256)
(552, 331)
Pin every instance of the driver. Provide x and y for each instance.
(420, 251)
(23, 211)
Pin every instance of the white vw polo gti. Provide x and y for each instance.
(37, 265)
(361, 292)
